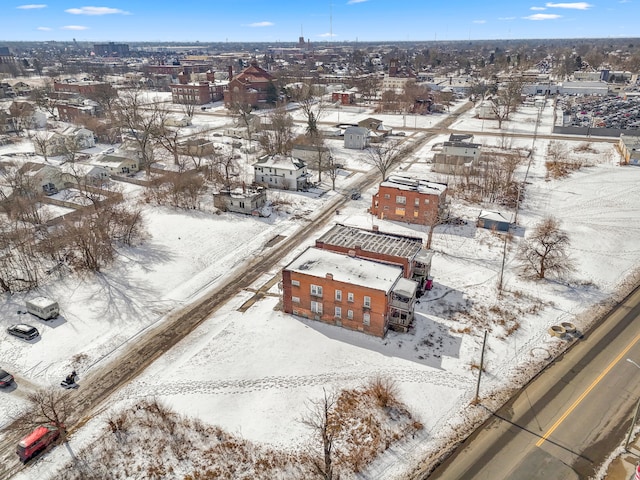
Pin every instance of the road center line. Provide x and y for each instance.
(586, 392)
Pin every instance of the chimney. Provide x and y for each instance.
(329, 276)
(230, 72)
(375, 228)
(352, 253)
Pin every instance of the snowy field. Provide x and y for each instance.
(252, 372)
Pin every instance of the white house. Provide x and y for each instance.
(356, 137)
(122, 162)
(60, 142)
(281, 171)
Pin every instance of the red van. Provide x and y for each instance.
(37, 441)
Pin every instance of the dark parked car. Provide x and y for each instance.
(5, 378)
(23, 330)
(355, 195)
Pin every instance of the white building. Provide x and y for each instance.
(281, 171)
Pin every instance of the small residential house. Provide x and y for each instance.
(246, 200)
(410, 199)
(500, 222)
(197, 147)
(403, 250)
(375, 125)
(281, 171)
(457, 157)
(43, 178)
(629, 147)
(52, 143)
(356, 138)
(347, 291)
(27, 115)
(120, 162)
(7, 122)
(312, 155)
(85, 174)
(22, 89)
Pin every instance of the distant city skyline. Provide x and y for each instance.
(317, 21)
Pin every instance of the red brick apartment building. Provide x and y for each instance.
(347, 291)
(407, 252)
(81, 88)
(409, 199)
(195, 93)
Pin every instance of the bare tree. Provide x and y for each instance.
(384, 157)
(106, 97)
(310, 101)
(319, 419)
(506, 100)
(278, 136)
(141, 123)
(45, 97)
(545, 251)
(241, 108)
(50, 405)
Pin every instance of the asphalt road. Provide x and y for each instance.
(566, 421)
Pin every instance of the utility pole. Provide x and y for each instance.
(484, 343)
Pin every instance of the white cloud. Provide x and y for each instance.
(31, 6)
(506, 18)
(537, 8)
(480, 21)
(542, 16)
(328, 35)
(96, 11)
(75, 27)
(351, 2)
(43, 29)
(575, 6)
(260, 24)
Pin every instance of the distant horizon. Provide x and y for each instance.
(350, 21)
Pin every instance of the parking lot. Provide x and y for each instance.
(600, 112)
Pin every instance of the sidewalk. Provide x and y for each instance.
(623, 467)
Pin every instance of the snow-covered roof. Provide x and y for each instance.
(406, 287)
(495, 216)
(356, 271)
(402, 182)
(282, 162)
(379, 242)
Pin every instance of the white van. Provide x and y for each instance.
(43, 307)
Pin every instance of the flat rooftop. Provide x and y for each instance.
(372, 241)
(353, 270)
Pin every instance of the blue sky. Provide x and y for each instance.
(337, 20)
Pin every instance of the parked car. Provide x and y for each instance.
(355, 195)
(24, 331)
(5, 378)
(37, 441)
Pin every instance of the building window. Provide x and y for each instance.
(402, 200)
(316, 307)
(338, 295)
(338, 312)
(295, 299)
(349, 297)
(367, 301)
(316, 290)
(426, 201)
(415, 213)
(295, 283)
(350, 314)
(400, 211)
(366, 319)
(416, 202)
(386, 207)
(387, 196)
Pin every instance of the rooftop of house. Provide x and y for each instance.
(356, 271)
(282, 162)
(462, 144)
(495, 216)
(414, 184)
(372, 241)
(630, 141)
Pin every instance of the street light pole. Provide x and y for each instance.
(635, 415)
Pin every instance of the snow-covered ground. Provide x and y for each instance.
(251, 372)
